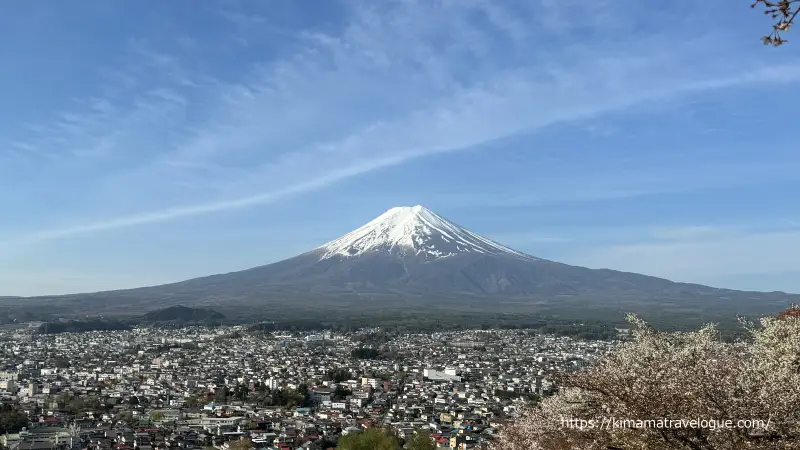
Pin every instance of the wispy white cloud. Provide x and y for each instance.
(680, 176)
(205, 208)
(98, 128)
(389, 87)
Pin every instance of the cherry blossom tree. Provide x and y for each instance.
(646, 394)
(783, 12)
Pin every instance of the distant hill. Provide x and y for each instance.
(182, 314)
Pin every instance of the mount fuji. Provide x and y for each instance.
(412, 258)
(414, 231)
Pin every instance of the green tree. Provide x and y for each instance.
(304, 396)
(341, 392)
(365, 353)
(241, 392)
(156, 416)
(370, 439)
(420, 441)
(60, 362)
(193, 401)
(338, 375)
(11, 420)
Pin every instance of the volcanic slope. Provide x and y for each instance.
(412, 255)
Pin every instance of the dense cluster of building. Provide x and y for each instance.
(198, 387)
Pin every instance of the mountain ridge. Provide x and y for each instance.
(412, 256)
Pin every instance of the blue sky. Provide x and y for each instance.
(142, 144)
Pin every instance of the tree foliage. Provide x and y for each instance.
(420, 441)
(194, 401)
(341, 393)
(679, 376)
(365, 353)
(370, 439)
(11, 419)
(75, 405)
(783, 12)
(241, 392)
(338, 375)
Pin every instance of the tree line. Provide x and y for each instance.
(12, 420)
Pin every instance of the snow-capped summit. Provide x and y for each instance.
(413, 260)
(414, 230)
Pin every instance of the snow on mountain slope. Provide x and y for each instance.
(415, 230)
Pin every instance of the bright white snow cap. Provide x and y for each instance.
(414, 230)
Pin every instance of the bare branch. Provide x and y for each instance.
(784, 13)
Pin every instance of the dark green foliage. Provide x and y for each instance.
(60, 362)
(338, 375)
(341, 393)
(305, 396)
(241, 392)
(264, 326)
(11, 419)
(581, 323)
(194, 401)
(365, 353)
(183, 314)
(300, 397)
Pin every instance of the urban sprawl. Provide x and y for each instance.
(199, 387)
